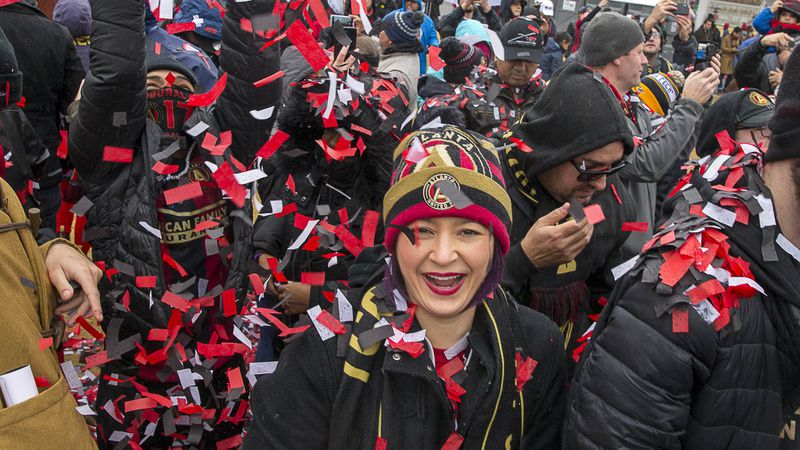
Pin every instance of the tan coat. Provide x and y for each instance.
(49, 420)
(729, 48)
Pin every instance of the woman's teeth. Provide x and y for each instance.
(448, 281)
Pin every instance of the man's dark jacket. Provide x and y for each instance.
(653, 380)
(51, 70)
(126, 194)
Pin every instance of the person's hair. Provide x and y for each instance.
(563, 36)
(737, 30)
(393, 279)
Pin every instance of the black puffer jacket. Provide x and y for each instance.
(126, 194)
(316, 399)
(752, 70)
(52, 72)
(670, 369)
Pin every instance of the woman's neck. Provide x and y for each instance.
(443, 333)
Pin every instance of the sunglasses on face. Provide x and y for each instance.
(586, 175)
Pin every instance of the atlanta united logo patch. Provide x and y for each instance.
(433, 194)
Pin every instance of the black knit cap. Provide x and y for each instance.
(167, 61)
(747, 108)
(460, 59)
(10, 76)
(575, 115)
(785, 123)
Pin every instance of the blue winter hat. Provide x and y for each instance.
(211, 27)
(403, 26)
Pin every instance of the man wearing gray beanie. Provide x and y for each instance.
(613, 46)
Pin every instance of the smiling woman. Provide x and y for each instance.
(437, 356)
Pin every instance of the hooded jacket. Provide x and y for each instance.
(672, 366)
(354, 397)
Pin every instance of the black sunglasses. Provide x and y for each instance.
(585, 176)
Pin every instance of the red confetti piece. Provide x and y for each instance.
(674, 268)
(435, 61)
(45, 343)
(705, 290)
(146, 281)
(258, 285)
(61, 152)
(7, 2)
(521, 146)
(176, 301)
(330, 322)
(524, 370)
(313, 278)
(96, 360)
(89, 328)
(164, 169)
(41, 382)
(207, 98)
(225, 179)
(269, 79)
(638, 227)
(594, 214)
(320, 13)
(380, 443)
(174, 264)
(680, 320)
(272, 144)
(235, 379)
(229, 303)
(614, 191)
(453, 442)
(175, 28)
(184, 192)
(140, 404)
(307, 46)
(117, 154)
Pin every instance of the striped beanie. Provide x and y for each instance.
(447, 172)
(403, 26)
(658, 91)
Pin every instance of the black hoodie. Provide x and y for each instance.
(716, 367)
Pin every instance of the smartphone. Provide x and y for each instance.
(344, 33)
(683, 9)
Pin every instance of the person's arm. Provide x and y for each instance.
(449, 22)
(749, 72)
(650, 160)
(763, 21)
(245, 62)
(492, 20)
(292, 407)
(684, 51)
(112, 109)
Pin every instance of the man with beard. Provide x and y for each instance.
(559, 262)
(175, 247)
(493, 101)
(699, 347)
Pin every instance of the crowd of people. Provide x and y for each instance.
(398, 225)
